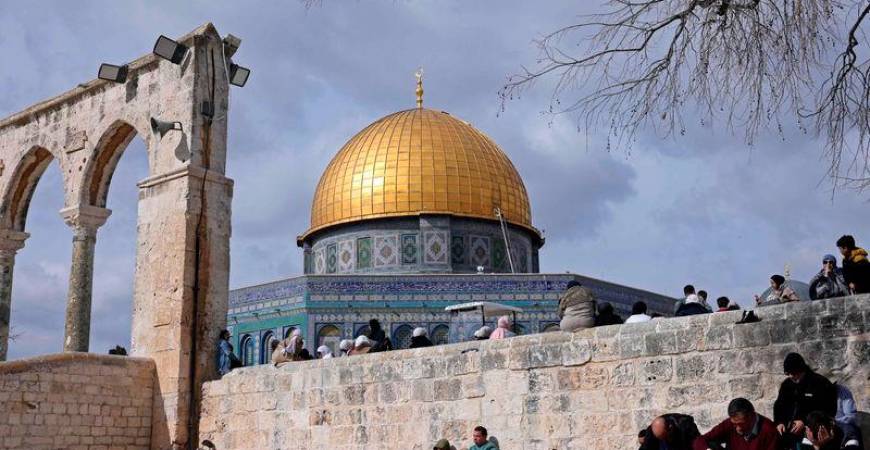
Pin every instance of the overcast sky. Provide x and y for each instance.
(702, 208)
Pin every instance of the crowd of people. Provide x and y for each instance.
(578, 308)
(810, 413)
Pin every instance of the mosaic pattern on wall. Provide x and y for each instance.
(499, 256)
(457, 249)
(409, 249)
(331, 258)
(480, 251)
(345, 256)
(386, 251)
(319, 261)
(364, 253)
(435, 243)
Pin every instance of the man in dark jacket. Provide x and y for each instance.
(744, 429)
(606, 315)
(380, 341)
(829, 282)
(419, 338)
(671, 432)
(856, 266)
(825, 434)
(803, 392)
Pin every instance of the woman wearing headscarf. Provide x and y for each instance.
(576, 308)
(779, 293)
(345, 346)
(289, 349)
(324, 352)
(829, 282)
(362, 346)
(226, 359)
(419, 338)
(503, 330)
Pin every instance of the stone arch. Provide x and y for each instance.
(100, 168)
(21, 186)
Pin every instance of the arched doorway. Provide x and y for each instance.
(266, 347)
(249, 355)
(440, 334)
(402, 336)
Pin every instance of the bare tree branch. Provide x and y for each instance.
(750, 63)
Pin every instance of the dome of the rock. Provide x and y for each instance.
(417, 164)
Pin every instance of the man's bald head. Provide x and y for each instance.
(659, 428)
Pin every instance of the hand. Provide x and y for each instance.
(779, 428)
(823, 435)
(797, 427)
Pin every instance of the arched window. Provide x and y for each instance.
(249, 357)
(402, 336)
(363, 330)
(329, 335)
(266, 347)
(440, 334)
(550, 327)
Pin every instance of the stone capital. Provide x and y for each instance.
(11, 241)
(85, 219)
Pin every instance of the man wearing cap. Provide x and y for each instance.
(803, 392)
(829, 282)
(419, 338)
(442, 444)
(362, 346)
(744, 429)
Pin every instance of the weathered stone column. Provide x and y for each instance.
(10, 242)
(84, 220)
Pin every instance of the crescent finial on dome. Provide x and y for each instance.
(419, 75)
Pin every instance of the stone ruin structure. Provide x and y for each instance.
(593, 389)
(182, 254)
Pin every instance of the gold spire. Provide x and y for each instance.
(419, 91)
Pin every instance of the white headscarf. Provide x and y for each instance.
(419, 331)
(362, 341)
(345, 346)
(325, 352)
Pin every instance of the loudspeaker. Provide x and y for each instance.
(162, 127)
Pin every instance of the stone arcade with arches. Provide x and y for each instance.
(182, 254)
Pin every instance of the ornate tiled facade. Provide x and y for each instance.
(328, 308)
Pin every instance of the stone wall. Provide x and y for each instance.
(76, 401)
(592, 389)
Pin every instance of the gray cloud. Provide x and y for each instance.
(700, 208)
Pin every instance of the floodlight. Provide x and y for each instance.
(169, 50)
(111, 72)
(239, 75)
(162, 127)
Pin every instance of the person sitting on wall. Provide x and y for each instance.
(723, 303)
(691, 307)
(606, 315)
(638, 313)
(672, 432)
(305, 355)
(744, 429)
(503, 330)
(482, 333)
(419, 338)
(324, 352)
(118, 350)
(829, 282)
(289, 349)
(802, 392)
(377, 336)
(362, 346)
(345, 346)
(688, 293)
(856, 266)
(227, 360)
(779, 293)
(576, 308)
(825, 434)
(480, 438)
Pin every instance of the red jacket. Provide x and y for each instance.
(766, 439)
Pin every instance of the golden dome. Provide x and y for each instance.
(419, 161)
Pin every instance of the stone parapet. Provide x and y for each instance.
(76, 400)
(593, 389)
